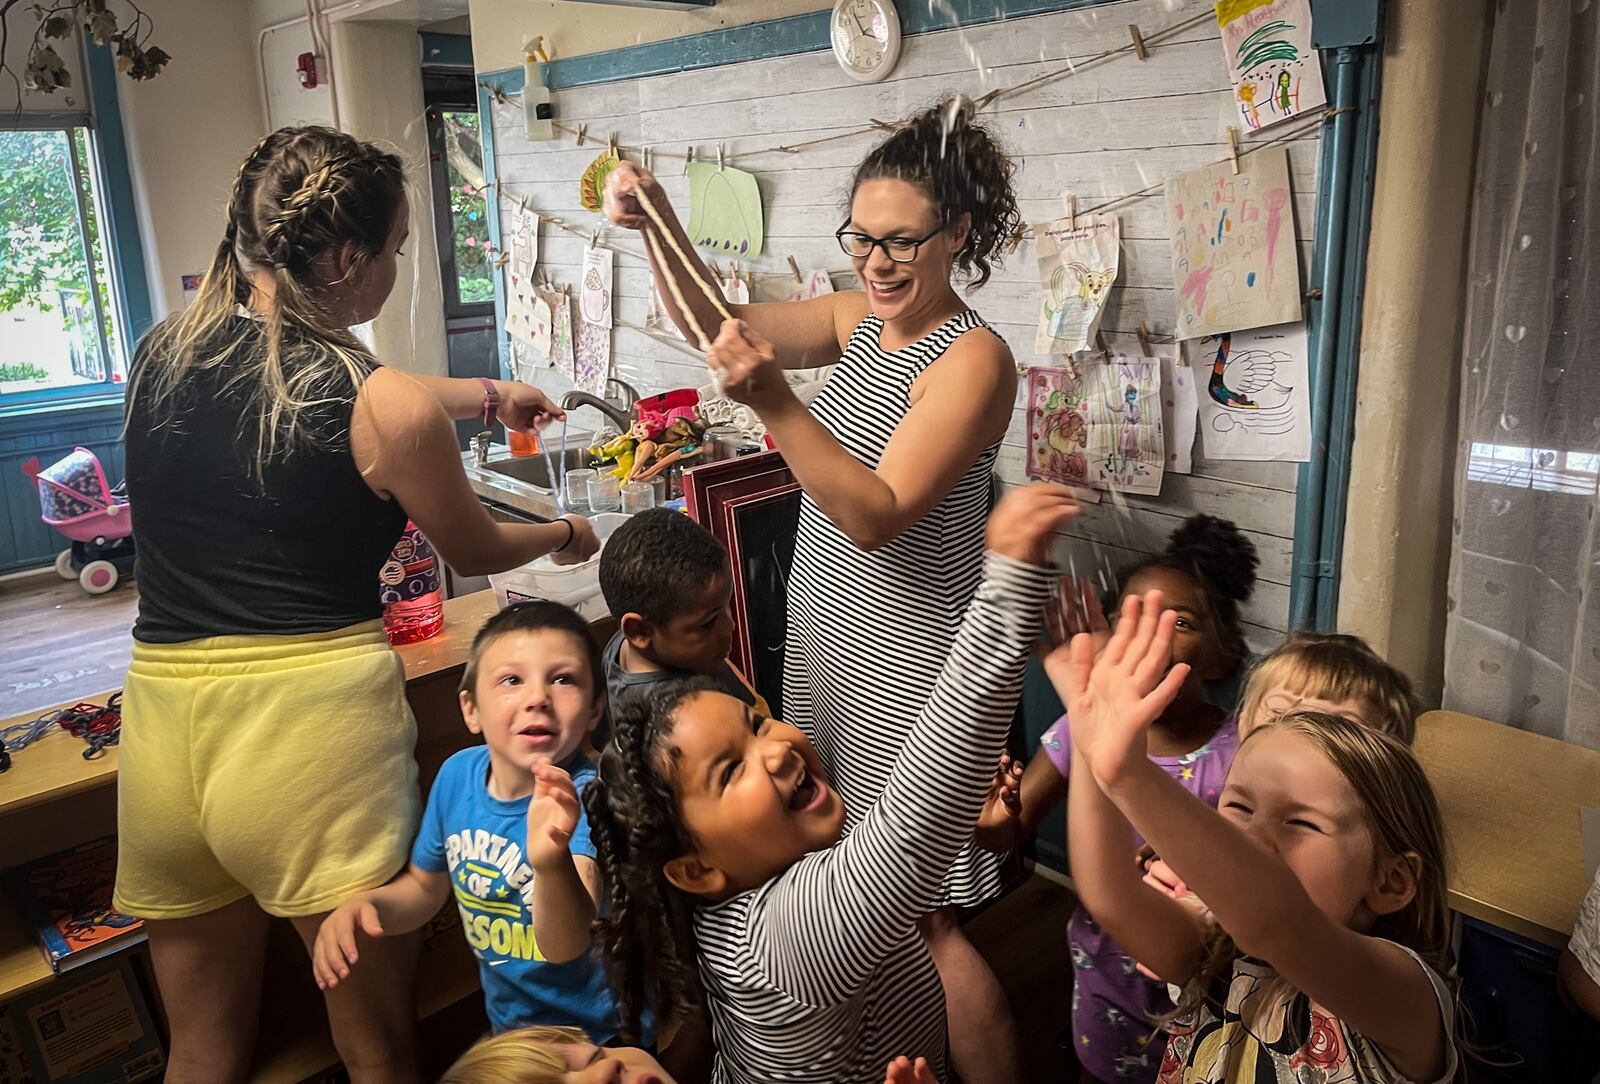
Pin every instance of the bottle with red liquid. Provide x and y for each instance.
(410, 590)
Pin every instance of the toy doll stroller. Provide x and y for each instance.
(76, 499)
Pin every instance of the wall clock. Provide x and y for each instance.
(866, 37)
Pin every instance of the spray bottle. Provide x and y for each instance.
(536, 109)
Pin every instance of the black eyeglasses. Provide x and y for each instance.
(859, 246)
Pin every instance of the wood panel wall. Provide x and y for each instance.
(1114, 127)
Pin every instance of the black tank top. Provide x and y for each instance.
(223, 551)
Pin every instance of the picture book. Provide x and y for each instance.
(66, 899)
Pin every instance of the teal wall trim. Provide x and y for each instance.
(446, 50)
(1344, 216)
(122, 233)
(764, 41)
(48, 433)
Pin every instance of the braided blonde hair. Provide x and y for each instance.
(300, 197)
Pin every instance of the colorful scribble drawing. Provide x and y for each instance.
(1058, 427)
(1276, 73)
(1233, 253)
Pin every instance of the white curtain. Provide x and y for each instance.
(1523, 628)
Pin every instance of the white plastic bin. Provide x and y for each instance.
(577, 586)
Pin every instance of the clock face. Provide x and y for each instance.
(866, 37)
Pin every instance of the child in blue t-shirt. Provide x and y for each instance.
(505, 834)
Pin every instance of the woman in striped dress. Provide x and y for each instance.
(895, 458)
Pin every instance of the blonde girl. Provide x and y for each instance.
(266, 765)
(1333, 673)
(541, 1055)
(1324, 867)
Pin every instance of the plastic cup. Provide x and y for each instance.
(638, 497)
(578, 488)
(605, 493)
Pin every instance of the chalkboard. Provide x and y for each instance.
(761, 538)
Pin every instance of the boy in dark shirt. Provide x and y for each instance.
(667, 581)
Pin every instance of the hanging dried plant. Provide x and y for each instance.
(45, 71)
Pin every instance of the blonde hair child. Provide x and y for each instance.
(1334, 673)
(1324, 864)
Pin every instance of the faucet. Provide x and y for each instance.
(480, 446)
(622, 419)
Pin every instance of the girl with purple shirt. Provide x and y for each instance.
(1206, 571)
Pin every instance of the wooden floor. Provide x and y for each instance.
(58, 643)
(1024, 938)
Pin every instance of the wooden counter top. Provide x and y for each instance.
(1510, 800)
(53, 767)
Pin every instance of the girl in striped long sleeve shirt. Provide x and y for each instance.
(720, 838)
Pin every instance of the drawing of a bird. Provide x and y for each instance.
(1238, 377)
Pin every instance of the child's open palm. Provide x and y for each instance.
(1113, 699)
(903, 1070)
(552, 815)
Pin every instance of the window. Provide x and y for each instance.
(469, 228)
(57, 331)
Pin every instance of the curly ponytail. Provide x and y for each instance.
(960, 165)
(1217, 556)
(646, 934)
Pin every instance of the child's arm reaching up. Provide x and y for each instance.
(566, 887)
(404, 904)
(820, 928)
(1153, 929)
(1374, 986)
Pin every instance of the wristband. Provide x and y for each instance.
(572, 532)
(491, 401)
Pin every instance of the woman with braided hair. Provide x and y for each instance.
(896, 458)
(266, 765)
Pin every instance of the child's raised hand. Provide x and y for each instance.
(334, 953)
(903, 1070)
(1113, 699)
(1000, 823)
(552, 816)
(1023, 522)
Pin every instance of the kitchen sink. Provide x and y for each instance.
(534, 470)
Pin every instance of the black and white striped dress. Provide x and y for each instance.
(820, 975)
(868, 632)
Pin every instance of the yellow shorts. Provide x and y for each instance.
(278, 767)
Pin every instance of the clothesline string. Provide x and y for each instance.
(1071, 68)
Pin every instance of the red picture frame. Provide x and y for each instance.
(738, 500)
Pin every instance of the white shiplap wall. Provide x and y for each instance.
(1114, 127)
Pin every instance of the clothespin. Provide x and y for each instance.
(594, 238)
(721, 158)
(522, 206)
(795, 267)
(1144, 339)
(1100, 341)
(688, 159)
(1139, 49)
(717, 271)
(583, 131)
(644, 157)
(1233, 148)
(611, 142)
(1071, 202)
